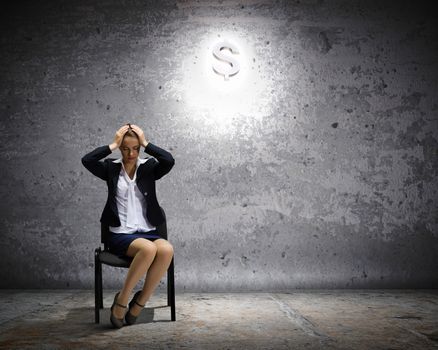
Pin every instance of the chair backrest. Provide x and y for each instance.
(104, 230)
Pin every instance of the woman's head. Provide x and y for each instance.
(130, 146)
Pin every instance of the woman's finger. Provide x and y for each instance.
(137, 127)
(124, 127)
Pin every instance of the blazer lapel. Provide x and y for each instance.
(114, 172)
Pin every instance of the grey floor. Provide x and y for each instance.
(299, 319)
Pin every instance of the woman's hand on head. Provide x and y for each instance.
(140, 134)
(118, 138)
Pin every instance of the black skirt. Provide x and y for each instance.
(118, 243)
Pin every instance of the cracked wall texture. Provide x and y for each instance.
(320, 172)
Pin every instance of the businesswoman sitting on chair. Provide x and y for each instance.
(132, 214)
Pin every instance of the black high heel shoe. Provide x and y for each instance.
(129, 318)
(116, 322)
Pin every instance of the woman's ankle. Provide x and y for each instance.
(141, 299)
(123, 299)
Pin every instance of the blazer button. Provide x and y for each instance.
(145, 193)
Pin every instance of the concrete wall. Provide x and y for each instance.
(315, 166)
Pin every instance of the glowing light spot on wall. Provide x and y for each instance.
(219, 90)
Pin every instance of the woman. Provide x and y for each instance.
(132, 213)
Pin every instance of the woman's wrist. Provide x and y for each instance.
(113, 146)
(145, 144)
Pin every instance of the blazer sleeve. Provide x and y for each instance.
(165, 160)
(92, 161)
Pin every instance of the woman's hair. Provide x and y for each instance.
(131, 133)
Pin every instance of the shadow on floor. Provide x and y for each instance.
(61, 327)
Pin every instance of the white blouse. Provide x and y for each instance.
(131, 204)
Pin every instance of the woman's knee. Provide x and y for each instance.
(164, 248)
(149, 249)
(142, 246)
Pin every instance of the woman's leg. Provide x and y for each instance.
(156, 271)
(144, 253)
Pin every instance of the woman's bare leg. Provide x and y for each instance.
(144, 253)
(156, 271)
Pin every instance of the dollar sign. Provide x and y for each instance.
(226, 71)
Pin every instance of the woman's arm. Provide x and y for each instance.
(165, 160)
(92, 161)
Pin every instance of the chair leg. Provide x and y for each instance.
(96, 286)
(171, 290)
(100, 286)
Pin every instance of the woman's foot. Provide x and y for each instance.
(119, 311)
(116, 320)
(135, 308)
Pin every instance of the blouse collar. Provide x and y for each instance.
(139, 160)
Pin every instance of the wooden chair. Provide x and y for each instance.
(105, 257)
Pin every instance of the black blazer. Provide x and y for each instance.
(147, 173)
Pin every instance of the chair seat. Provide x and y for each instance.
(111, 259)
